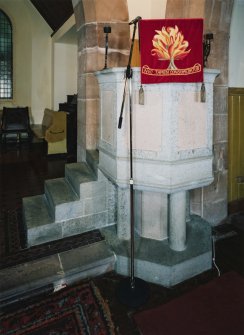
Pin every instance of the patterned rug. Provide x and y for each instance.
(78, 310)
(2, 235)
(13, 232)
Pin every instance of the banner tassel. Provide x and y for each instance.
(203, 93)
(141, 96)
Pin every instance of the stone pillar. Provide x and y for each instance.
(151, 214)
(91, 17)
(217, 20)
(211, 202)
(177, 221)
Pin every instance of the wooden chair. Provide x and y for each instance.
(15, 120)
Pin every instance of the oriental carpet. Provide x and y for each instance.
(78, 310)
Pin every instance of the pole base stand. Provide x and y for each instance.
(133, 296)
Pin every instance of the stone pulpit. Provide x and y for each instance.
(172, 154)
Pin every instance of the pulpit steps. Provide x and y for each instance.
(71, 205)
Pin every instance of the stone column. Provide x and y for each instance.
(177, 221)
(151, 214)
(211, 202)
(91, 17)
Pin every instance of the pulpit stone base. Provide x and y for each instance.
(157, 263)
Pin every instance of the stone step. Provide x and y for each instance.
(64, 268)
(77, 174)
(36, 211)
(39, 224)
(71, 205)
(63, 201)
(84, 181)
(42, 228)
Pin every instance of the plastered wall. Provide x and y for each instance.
(31, 58)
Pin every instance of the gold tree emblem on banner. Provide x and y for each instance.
(169, 44)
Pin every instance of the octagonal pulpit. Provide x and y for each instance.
(172, 147)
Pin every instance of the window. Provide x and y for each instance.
(6, 57)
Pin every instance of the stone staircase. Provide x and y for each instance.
(83, 201)
(71, 205)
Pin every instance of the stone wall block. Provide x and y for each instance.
(91, 138)
(220, 99)
(208, 15)
(81, 63)
(117, 59)
(177, 8)
(81, 116)
(87, 119)
(218, 14)
(92, 107)
(90, 61)
(220, 49)
(81, 134)
(185, 8)
(116, 10)
(196, 8)
(215, 212)
(210, 202)
(82, 86)
(220, 161)
(212, 14)
(102, 10)
(89, 10)
(87, 37)
(196, 195)
(215, 199)
(218, 189)
(220, 128)
(94, 61)
(88, 86)
(119, 38)
(196, 208)
(226, 15)
(81, 153)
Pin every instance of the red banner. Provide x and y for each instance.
(171, 50)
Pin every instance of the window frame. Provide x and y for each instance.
(9, 59)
